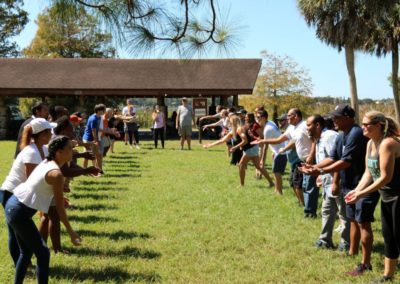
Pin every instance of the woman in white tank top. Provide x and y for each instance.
(45, 183)
(30, 155)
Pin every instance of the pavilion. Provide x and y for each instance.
(151, 78)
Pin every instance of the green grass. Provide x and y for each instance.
(172, 216)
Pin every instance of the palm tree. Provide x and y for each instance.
(341, 24)
(385, 39)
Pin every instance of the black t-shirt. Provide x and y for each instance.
(351, 147)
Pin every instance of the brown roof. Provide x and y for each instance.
(27, 77)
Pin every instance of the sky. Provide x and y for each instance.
(278, 27)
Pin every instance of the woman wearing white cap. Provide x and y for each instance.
(38, 130)
(35, 194)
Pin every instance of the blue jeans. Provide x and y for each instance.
(12, 240)
(19, 217)
(310, 192)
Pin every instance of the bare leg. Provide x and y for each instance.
(390, 267)
(367, 239)
(182, 141)
(242, 169)
(355, 236)
(256, 162)
(188, 139)
(299, 195)
(278, 183)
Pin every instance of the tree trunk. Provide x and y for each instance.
(349, 51)
(395, 80)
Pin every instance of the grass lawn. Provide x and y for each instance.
(171, 216)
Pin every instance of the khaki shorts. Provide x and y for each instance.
(185, 131)
(90, 146)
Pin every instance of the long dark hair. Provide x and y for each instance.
(57, 143)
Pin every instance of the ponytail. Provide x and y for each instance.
(27, 137)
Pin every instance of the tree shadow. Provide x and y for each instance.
(108, 274)
(126, 252)
(97, 182)
(123, 168)
(114, 236)
(99, 188)
(91, 219)
(91, 196)
(121, 157)
(93, 207)
(123, 175)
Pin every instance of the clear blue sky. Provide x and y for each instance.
(277, 26)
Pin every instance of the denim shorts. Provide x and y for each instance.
(279, 163)
(251, 152)
(363, 210)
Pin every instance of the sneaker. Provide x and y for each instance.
(382, 280)
(307, 215)
(320, 244)
(343, 247)
(360, 269)
(137, 146)
(130, 146)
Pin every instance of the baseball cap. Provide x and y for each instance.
(184, 99)
(75, 118)
(343, 110)
(40, 124)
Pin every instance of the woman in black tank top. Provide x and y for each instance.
(382, 173)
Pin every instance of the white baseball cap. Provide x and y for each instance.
(40, 124)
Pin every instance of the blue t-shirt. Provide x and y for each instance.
(92, 123)
(350, 147)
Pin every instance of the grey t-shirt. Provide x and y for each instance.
(185, 115)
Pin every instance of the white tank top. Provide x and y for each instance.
(36, 193)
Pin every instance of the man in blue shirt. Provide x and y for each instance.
(91, 137)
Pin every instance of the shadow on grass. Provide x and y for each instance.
(93, 207)
(114, 236)
(120, 157)
(123, 175)
(91, 196)
(91, 219)
(97, 182)
(125, 166)
(124, 252)
(98, 188)
(108, 274)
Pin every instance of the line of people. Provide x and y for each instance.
(351, 164)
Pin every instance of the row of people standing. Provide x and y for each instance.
(351, 170)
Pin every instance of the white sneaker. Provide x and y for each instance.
(130, 146)
(137, 146)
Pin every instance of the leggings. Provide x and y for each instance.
(19, 217)
(158, 132)
(390, 216)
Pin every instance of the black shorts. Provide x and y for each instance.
(296, 177)
(363, 210)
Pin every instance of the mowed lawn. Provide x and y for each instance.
(172, 216)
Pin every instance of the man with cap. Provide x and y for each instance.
(184, 118)
(347, 162)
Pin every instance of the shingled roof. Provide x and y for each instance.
(151, 77)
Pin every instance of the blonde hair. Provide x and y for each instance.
(234, 121)
(390, 127)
